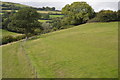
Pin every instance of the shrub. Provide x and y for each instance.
(9, 38)
(105, 16)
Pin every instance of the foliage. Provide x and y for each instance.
(44, 16)
(10, 38)
(26, 19)
(5, 33)
(105, 16)
(56, 15)
(46, 27)
(78, 12)
(6, 18)
(12, 6)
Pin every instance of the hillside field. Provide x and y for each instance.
(54, 16)
(43, 20)
(85, 51)
(52, 12)
(6, 33)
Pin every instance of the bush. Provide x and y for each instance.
(105, 16)
(9, 38)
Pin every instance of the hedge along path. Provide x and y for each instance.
(22, 47)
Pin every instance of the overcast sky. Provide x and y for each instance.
(96, 4)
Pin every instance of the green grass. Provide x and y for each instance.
(85, 51)
(5, 33)
(54, 16)
(54, 12)
(43, 20)
(15, 63)
(14, 4)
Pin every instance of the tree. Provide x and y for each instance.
(78, 12)
(105, 16)
(6, 18)
(27, 19)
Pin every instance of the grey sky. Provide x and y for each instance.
(97, 5)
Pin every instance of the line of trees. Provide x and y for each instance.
(106, 16)
(46, 8)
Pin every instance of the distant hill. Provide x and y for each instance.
(17, 6)
(12, 6)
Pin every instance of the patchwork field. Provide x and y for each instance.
(43, 20)
(53, 12)
(54, 16)
(84, 51)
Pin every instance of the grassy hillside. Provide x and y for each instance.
(5, 33)
(13, 4)
(85, 51)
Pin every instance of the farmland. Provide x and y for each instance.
(54, 16)
(85, 51)
(6, 33)
(52, 12)
(43, 20)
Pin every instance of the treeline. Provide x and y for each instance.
(106, 16)
(46, 8)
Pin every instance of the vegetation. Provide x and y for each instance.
(46, 8)
(7, 36)
(105, 16)
(50, 12)
(12, 6)
(27, 19)
(43, 20)
(6, 33)
(54, 16)
(78, 12)
(15, 63)
(85, 51)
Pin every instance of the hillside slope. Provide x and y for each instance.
(10, 5)
(85, 51)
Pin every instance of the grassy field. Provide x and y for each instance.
(43, 20)
(5, 33)
(85, 51)
(14, 4)
(49, 12)
(54, 16)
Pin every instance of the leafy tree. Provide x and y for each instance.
(6, 19)
(27, 19)
(44, 16)
(105, 16)
(78, 12)
(46, 27)
(118, 14)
